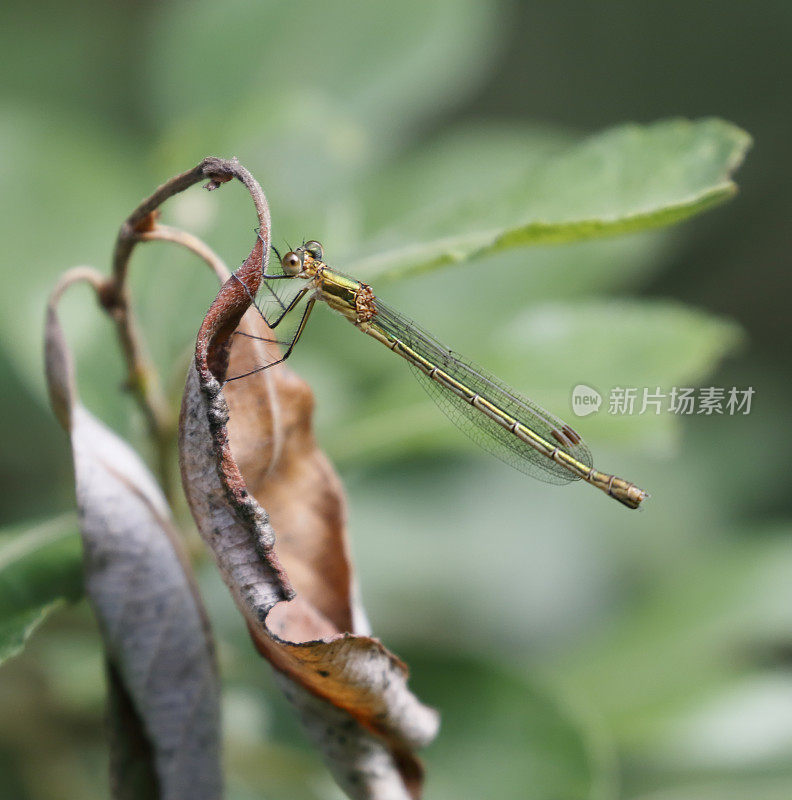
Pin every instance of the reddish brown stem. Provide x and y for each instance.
(142, 377)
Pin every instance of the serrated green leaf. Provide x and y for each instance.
(627, 179)
(441, 175)
(40, 567)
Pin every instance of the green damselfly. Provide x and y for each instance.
(500, 420)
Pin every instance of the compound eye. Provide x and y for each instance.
(292, 263)
(314, 249)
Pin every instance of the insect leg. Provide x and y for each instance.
(296, 299)
(308, 308)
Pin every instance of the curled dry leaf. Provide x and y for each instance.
(297, 597)
(164, 707)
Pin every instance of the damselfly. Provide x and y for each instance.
(513, 428)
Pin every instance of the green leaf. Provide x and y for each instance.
(502, 729)
(627, 179)
(40, 567)
(42, 241)
(739, 729)
(708, 617)
(441, 175)
(692, 675)
(308, 89)
(757, 788)
(612, 344)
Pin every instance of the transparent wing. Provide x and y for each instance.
(256, 345)
(274, 296)
(487, 433)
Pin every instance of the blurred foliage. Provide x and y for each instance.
(39, 568)
(576, 653)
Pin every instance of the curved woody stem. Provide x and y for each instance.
(167, 233)
(140, 226)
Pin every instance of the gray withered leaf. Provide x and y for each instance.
(162, 677)
(249, 446)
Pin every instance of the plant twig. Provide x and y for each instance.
(74, 275)
(60, 371)
(218, 171)
(142, 377)
(165, 233)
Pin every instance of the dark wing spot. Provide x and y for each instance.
(571, 435)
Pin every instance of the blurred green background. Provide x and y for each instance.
(575, 649)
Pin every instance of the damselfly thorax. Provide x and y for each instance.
(512, 427)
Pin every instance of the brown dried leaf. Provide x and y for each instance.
(166, 743)
(350, 691)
